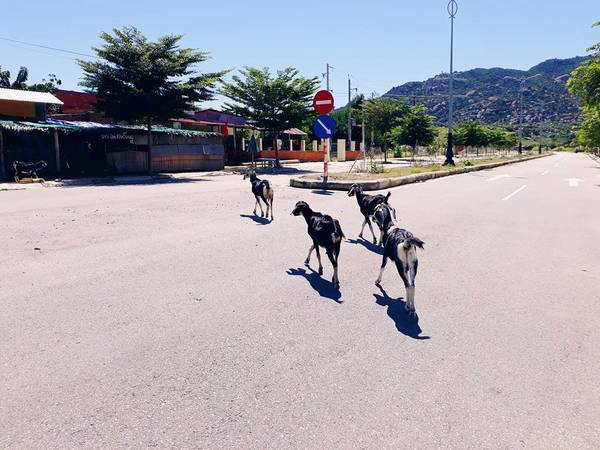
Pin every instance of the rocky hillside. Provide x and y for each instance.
(489, 96)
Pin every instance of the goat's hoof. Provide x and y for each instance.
(307, 263)
(320, 271)
(336, 285)
(377, 282)
(360, 236)
(375, 241)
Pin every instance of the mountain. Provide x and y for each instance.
(487, 95)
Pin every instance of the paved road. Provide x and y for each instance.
(166, 316)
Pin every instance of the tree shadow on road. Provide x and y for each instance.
(405, 323)
(324, 287)
(367, 244)
(259, 220)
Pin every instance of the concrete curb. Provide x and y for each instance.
(385, 183)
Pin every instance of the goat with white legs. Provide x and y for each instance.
(367, 205)
(401, 247)
(325, 232)
(262, 190)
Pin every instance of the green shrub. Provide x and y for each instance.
(376, 167)
(467, 162)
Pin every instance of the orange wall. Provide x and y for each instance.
(288, 154)
(308, 156)
(17, 109)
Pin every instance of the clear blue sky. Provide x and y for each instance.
(381, 43)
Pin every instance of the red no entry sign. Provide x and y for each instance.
(323, 102)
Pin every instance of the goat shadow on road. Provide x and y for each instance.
(324, 287)
(367, 244)
(405, 323)
(259, 220)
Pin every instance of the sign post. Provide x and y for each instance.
(324, 126)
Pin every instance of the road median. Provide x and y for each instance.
(316, 182)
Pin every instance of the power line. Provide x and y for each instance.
(48, 47)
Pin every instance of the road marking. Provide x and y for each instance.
(545, 172)
(497, 177)
(573, 182)
(515, 192)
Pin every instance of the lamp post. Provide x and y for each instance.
(521, 89)
(452, 10)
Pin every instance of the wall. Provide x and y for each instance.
(287, 154)
(11, 108)
(308, 156)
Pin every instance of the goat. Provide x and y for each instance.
(262, 190)
(367, 205)
(27, 169)
(324, 231)
(386, 218)
(401, 247)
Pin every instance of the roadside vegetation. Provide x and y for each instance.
(384, 172)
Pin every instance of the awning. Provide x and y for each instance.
(294, 131)
(16, 95)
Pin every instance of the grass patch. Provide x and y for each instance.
(411, 170)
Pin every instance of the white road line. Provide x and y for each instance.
(573, 182)
(545, 172)
(497, 177)
(515, 192)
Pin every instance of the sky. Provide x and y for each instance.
(379, 43)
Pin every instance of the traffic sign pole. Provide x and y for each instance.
(324, 126)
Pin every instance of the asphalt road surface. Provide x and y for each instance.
(166, 315)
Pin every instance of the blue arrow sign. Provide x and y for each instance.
(324, 127)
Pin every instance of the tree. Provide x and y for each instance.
(19, 82)
(145, 82)
(341, 116)
(380, 115)
(414, 128)
(584, 83)
(471, 134)
(476, 134)
(50, 84)
(273, 102)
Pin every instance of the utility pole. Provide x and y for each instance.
(521, 117)
(452, 10)
(521, 91)
(349, 113)
(327, 75)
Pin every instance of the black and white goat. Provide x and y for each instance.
(401, 247)
(324, 231)
(27, 169)
(262, 190)
(367, 204)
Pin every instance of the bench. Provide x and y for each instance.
(266, 162)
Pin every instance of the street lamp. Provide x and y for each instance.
(452, 10)
(522, 81)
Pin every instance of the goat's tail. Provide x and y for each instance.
(413, 242)
(338, 229)
(387, 197)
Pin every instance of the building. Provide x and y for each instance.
(86, 147)
(25, 105)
